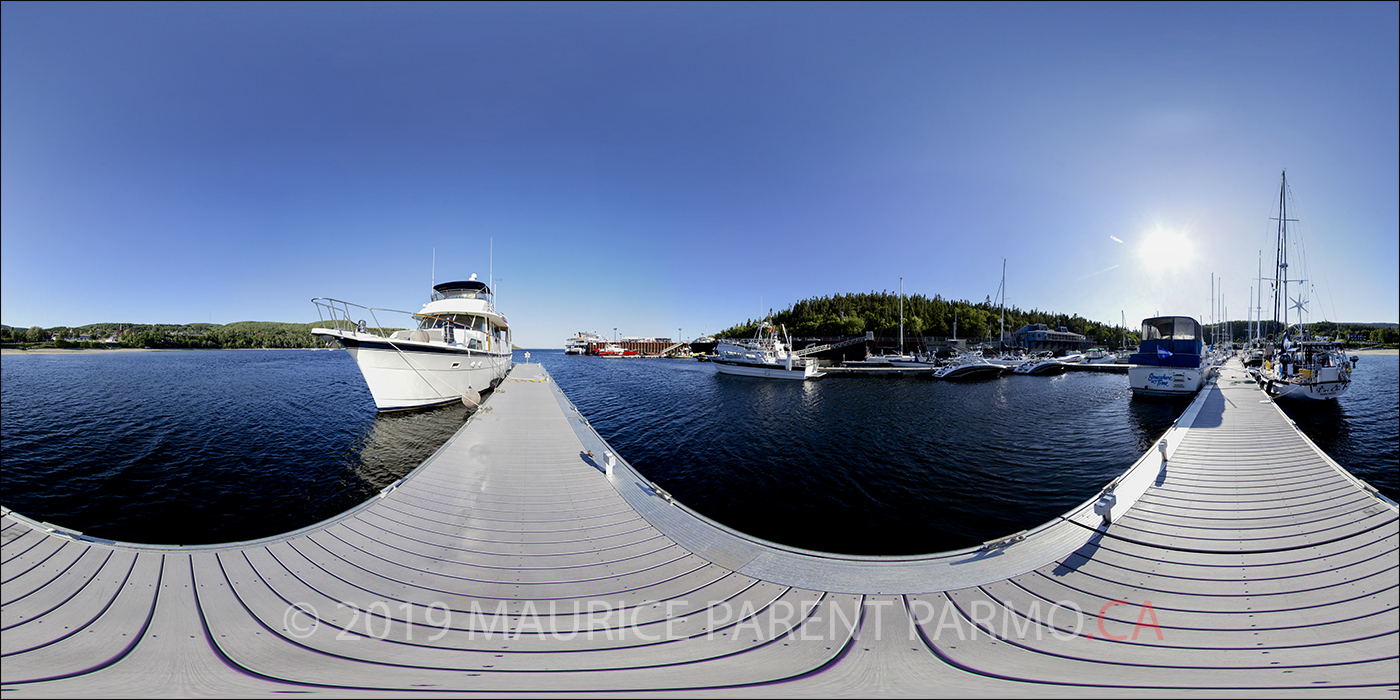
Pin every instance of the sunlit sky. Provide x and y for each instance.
(655, 167)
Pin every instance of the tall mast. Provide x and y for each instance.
(901, 315)
(1259, 301)
(1249, 322)
(1281, 257)
(1001, 339)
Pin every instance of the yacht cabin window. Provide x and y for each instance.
(1171, 328)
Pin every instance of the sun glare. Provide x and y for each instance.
(1166, 250)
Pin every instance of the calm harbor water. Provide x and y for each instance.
(214, 446)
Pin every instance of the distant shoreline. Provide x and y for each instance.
(76, 351)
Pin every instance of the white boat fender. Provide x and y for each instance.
(471, 398)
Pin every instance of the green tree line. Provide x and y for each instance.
(855, 314)
(243, 334)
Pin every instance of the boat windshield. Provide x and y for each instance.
(1171, 328)
(455, 320)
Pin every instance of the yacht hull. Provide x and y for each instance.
(1166, 382)
(1041, 368)
(977, 371)
(1318, 385)
(404, 374)
(766, 370)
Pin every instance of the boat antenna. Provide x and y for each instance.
(433, 276)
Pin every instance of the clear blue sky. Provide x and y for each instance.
(655, 167)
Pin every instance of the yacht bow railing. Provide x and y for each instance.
(337, 315)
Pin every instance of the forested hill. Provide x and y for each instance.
(854, 314)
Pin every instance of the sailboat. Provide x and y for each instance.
(1299, 367)
(902, 359)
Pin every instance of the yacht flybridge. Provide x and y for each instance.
(459, 347)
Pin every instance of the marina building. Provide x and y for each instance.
(1038, 336)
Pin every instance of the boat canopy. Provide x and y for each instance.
(1171, 328)
(1169, 341)
(470, 289)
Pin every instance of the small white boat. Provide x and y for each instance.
(1040, 366)
(1099, 356)
(970, 366)
(614, 350)
(459, 348)
(767, 355)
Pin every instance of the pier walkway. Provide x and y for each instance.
(513, 562)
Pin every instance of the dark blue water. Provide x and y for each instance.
(199, 446)
(215, 446)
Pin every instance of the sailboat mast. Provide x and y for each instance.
(1259, 301)
(1281, 257)
(901, 315)
(1001, 339)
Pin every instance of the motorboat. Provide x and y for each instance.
(615, 350)
(1313, 369)
(969, 366)
(1008, 360)
(459, 347)
(1099, 356)
(768, 354)
(1040, 365)
(1169, 362)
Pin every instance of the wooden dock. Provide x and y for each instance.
(515, 560)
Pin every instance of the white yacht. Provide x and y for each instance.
(459, 348)
(1169, 362)
(766, 355)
